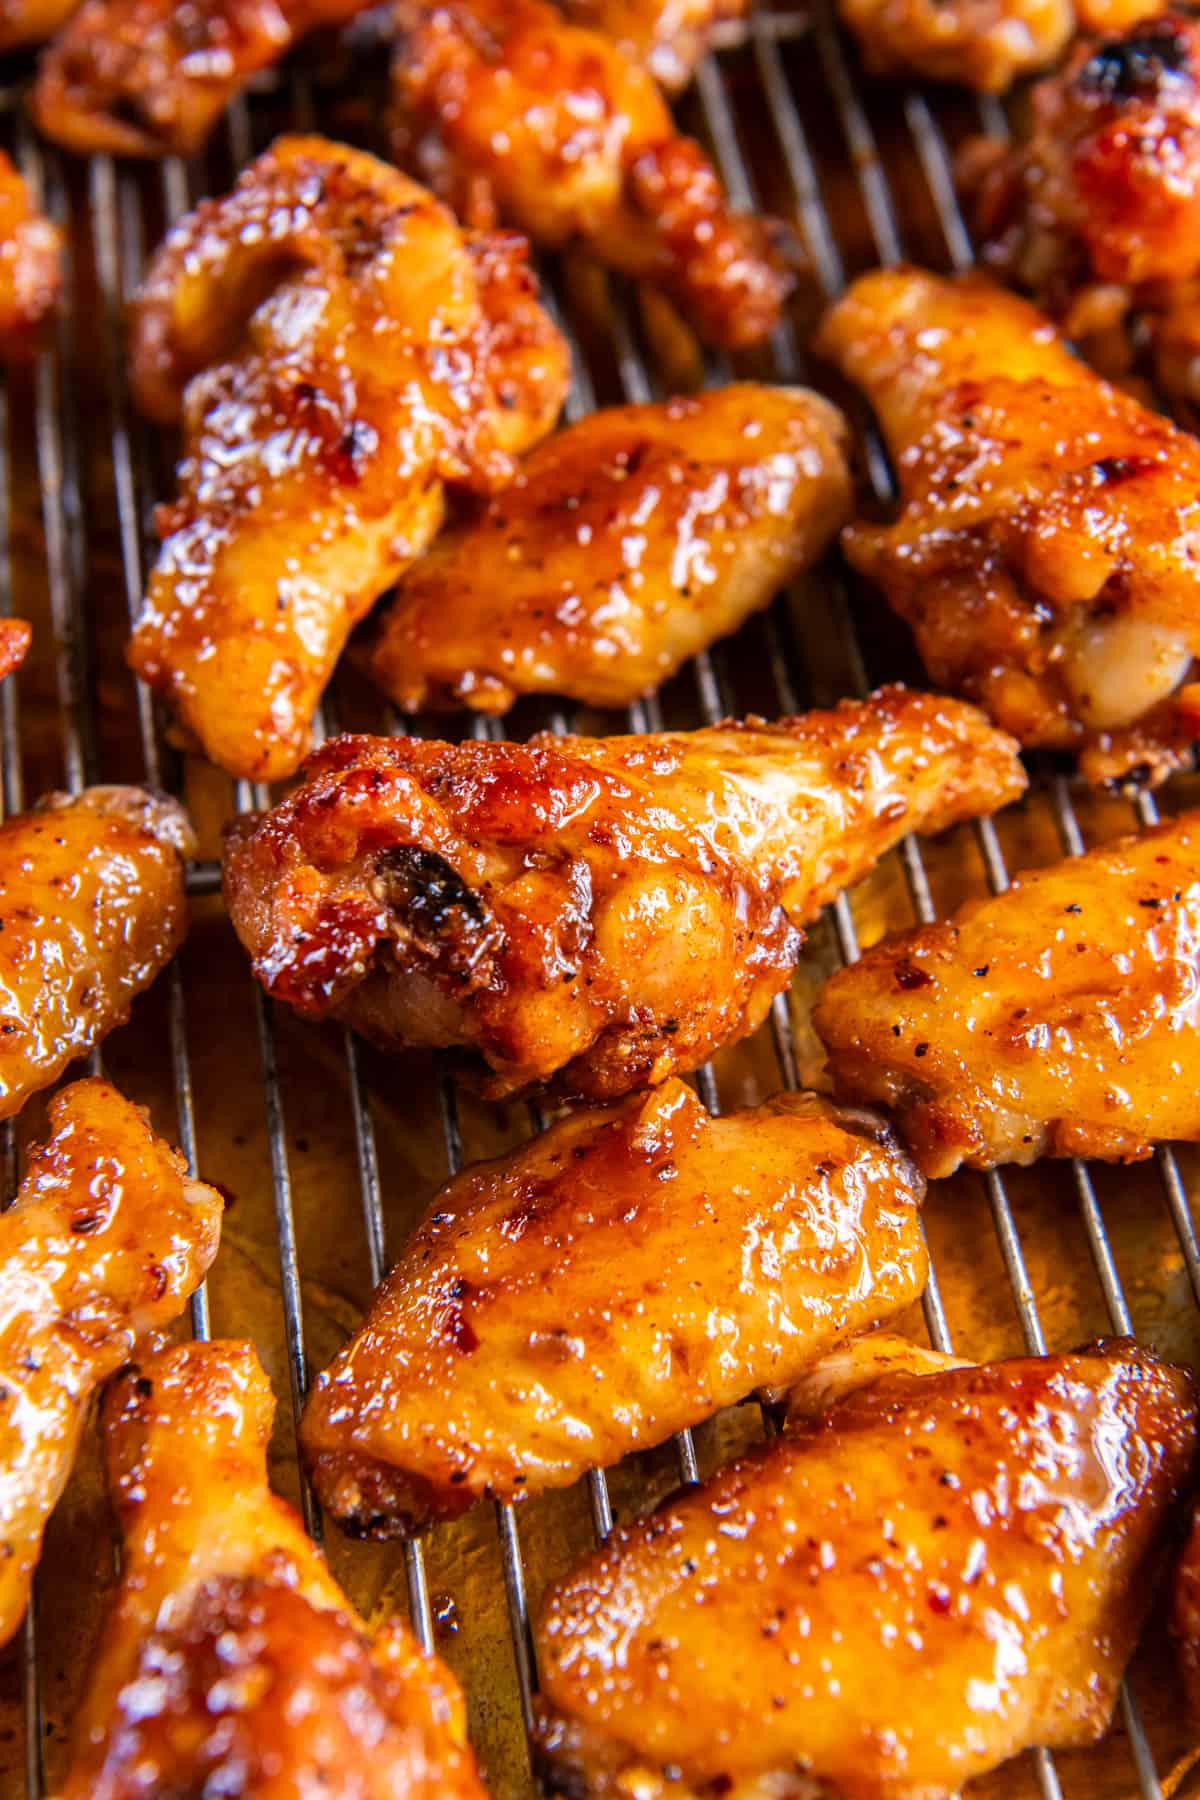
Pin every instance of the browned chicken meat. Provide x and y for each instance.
(601, 912)
(511, 113)
(981, 44)
(25, 22)
(105, 1241)
(668, 36)
(1057, 1019)
(623, 1276)
(30, 264)
(340, 351)
(92, 906)
(628, 542)
(15, 638)
(152, 77)
(1097, 214)
(231, 1662)
(1044, 553)
(939, 1570)
(1185, 1615)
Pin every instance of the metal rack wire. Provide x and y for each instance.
(750, 87)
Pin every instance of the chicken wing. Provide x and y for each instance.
(1044, 551)
(623, 1276)
(342, 352)
(628, 542)
(15, 637)
(511, 113)
(92, 906)
(105, 1241)
(941, 1570)
(30, 264)
(1097, 214)
(667, 36)
(25, 22)
(1058, 1019)
(231, 1662)
(981, 44)
(152, 77)
(602, 912)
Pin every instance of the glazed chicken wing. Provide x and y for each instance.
(668, 36)
(15, 637)
(340, 351)
(25, 22)
(231, 1662)
(623, 1276)
(105, 1241)
(981, 44)
(511, 113)
(601, 912)
(628, 542)
(1097, 214)
(30, 264)
(939, 1571)
(1044, 554)
(92, 906)
(1057, 1019)
(152, 77)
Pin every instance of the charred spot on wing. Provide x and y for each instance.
(437, 910)
(1135, 67)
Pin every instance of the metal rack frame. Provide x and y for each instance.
(114, 221)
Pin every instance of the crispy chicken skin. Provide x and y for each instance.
(105, 1241)
(981, 44)
(511, 113)
(596, 912)
(15, 638)
(1185, 1615)
(1059, 1018)
(940, 1570)
(152, 77)
(628, 542)
(668, 36)
(30, 265)
(1044, 553)
(92, 906)
(623, 1276)
(341, 351)
(231, 1662)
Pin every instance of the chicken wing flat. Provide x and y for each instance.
(941, 1570)
(981, 44)
(340, 351)
(668, 36)
(509, 112)
(105, 1241)
(231, 1662)
(152, 77)
(625, 1275)
(1044, 551)
(602, 912)
(1057, 1019)
(92, 906)
(628, 542)
(15, 638)
(1097, 213)
(30, 264)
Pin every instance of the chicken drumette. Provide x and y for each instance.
(1044, 553)
(1057, 1019)
(92, 906)
(940, 1568)
(511, 113)
(668, 36)
(1097, 214)
(600, 911)
(231, 1662)
(625, 1275)
(627, 543)
(105, 1241)
(340, 351)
